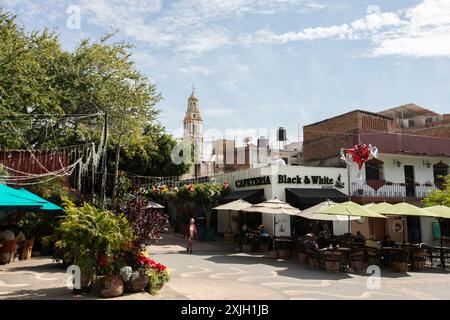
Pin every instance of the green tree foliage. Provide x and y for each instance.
(44, 88)
(439, 197)
(150, 155)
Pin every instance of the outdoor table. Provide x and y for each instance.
(443, 251)
(394, 254)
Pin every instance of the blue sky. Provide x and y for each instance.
(269, 63)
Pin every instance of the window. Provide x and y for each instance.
(410, 123)
(439, 169)
(374, 170)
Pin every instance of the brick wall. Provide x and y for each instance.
(323, 141)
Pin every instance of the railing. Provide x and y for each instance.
(394, 190)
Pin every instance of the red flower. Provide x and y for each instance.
(160, 267)
(146, 261)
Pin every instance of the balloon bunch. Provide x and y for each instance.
(359, 154)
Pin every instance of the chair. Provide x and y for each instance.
(400, 259)
(7, 251)
(26, 250)
(418, 258)
(301, 250)
(373, 256)
(333, 259)
(356, 259)
(314, 258)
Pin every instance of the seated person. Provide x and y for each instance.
(263, 232)
(359, 237)
(323, 241)
(387, 242)
(371, 243)
(6, 235)
(310, 242)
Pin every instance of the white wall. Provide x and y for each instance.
(395, 174)
(277, 190)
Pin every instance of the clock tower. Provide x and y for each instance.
(193, 126)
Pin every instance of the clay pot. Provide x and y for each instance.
(137, 285)
(110, 286)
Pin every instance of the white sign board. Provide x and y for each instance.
(282, 225)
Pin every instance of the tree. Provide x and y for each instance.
(150, 155)
(439, 197)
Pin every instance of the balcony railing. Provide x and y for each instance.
(394, 190)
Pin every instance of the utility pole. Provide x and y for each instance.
(104, 162)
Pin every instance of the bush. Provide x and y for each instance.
(92, 239)
(146, 223)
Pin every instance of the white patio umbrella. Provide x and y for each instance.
(153, 205)
(273, 206)
(316, 213)
(236, 205)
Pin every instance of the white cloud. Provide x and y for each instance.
(195, 69)
(357, 29)
(420, 31)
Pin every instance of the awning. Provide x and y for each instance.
(251, 196)
(302, 198)
(47, 206)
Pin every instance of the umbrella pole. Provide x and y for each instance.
(348, 224)
(403, 230)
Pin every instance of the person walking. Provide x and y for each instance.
(191, 234)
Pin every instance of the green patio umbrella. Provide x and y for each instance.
(350, 209)
(48, 206)
(378, 207)
(439, 212)
(405, 209)
(12, 200)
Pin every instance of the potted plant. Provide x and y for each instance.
(389, 183)
(360, 192)
(92, 239)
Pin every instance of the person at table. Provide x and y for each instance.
(387, 242)
(310, 242)
(323, 240)
(262, 231)
(359, 237)
(6, 234)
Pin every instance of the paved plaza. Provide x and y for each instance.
(216, 271)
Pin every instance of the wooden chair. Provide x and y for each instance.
(7, 251)
(314, 258)
(356, 259)
(373, 256)
(26, 250)
(400, 260)
(418, 258)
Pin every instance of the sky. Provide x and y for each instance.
(261, 64)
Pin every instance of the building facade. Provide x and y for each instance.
(409, 165)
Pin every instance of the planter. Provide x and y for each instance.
(138, 284)
(110, 286)
(360, 192)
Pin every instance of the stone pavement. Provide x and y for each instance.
(216, 271)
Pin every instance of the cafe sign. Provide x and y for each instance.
(250, 182)
(318, 180)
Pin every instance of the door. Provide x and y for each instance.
(413, 224)
(409, 181)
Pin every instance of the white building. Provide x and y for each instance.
(300, 186)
